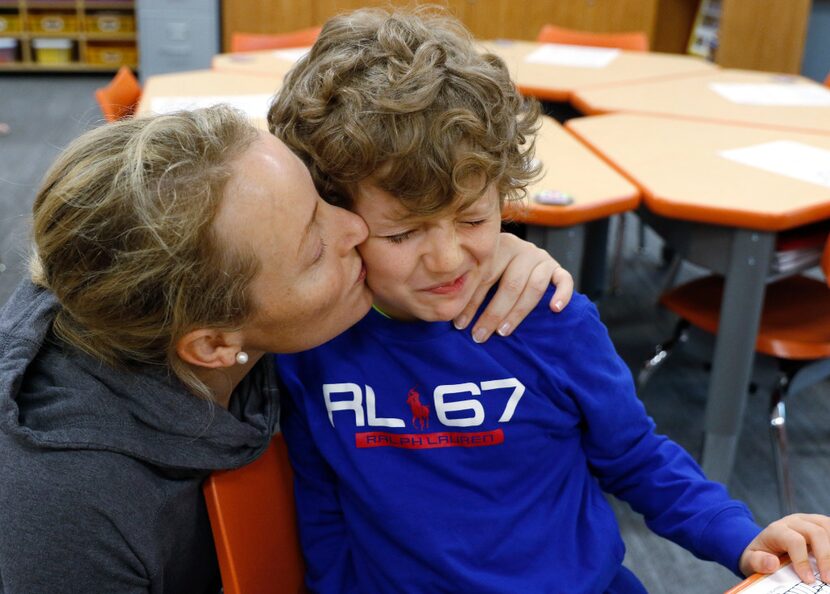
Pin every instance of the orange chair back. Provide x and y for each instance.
(251, 42)
(253, 521)
(635, 41)
(827, 80)
(825, 262)
(120, 97)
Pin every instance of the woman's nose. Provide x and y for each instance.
(351, 227)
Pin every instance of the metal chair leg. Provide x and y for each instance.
(641, 236)
(780, 446)
(618, 255)
(671, 273)
(661, 353)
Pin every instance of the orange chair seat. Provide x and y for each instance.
(254, 527)
(251, 42)
(795, 322)
(120, 97)
(635, 41)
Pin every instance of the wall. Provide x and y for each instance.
(755, 34)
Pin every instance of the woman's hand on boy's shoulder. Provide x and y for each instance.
(524, 272)
(795, 535)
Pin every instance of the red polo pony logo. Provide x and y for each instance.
(420, 412)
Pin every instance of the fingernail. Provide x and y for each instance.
(504, 329)
(479, 335)
(558, 305)
(460, 323)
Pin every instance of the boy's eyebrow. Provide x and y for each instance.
(307, 228)
(408, 217)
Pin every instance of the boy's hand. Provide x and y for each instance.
(525, 272)
(792, 535)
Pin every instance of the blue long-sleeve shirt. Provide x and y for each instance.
(428, 463)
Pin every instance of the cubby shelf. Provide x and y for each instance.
(79, 21)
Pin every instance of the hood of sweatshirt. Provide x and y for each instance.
(54, 396)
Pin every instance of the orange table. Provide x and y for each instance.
(597, 192)
(185, 90)
(697, 97)
(553, 82)
(267, 62)
(721, 214)
(558, 82)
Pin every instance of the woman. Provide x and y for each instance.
(170, 254)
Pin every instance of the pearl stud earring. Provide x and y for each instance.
(242, 357)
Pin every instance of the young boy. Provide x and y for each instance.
(426, 462)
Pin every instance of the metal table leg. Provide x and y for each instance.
(595, 252)
(740, 314)
(566, 244)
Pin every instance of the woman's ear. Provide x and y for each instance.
(209, 348)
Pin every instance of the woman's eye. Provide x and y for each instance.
(399, 237)
(321, 252)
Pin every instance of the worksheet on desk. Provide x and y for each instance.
(785, 581)
(255, 106)
(291, 54)
(785, 157)
(556, 54)
(773, 94)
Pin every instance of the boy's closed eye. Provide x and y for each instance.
(404, 235)
(475, 223)
(399, 237)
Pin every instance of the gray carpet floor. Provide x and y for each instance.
(46, 112)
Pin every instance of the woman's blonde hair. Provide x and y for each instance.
(123, 237)
(404, 98)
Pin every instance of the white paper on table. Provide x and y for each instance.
(785, 581)
(292, 54)
(572, 55)
(779, 94)
(255, 106)
(786, 157)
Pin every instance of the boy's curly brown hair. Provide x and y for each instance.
(405, 98)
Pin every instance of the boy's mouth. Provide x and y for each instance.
(448, 288)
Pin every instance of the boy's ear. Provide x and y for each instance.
(209, 348)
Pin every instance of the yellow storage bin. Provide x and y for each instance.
(111, 54)
(109, 22)
(52, 51)
(53, 23)
(9, 23)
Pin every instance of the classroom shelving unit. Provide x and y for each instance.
(752, 34)
(100, 34)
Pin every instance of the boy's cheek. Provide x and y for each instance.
(372, 253)
(493, 249)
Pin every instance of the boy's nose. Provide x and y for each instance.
(444, 253)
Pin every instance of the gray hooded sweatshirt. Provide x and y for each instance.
(101, 469)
